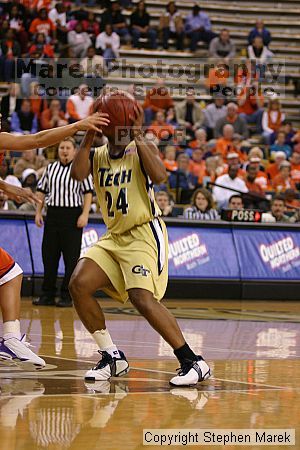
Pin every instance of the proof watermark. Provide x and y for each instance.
(60, 78)
(224, 437)
(162, 134)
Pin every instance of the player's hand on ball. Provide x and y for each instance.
(138, 118)
(137, 121)
(94, 122)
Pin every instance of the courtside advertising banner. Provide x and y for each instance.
(194, 253)
(202, 253)
(266, 254)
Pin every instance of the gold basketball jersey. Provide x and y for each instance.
(124, 191)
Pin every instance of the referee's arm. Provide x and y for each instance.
(84, 216)
(81, 167)
(42, 189)
(87, 186)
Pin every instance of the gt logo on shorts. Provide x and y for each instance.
(140, 270)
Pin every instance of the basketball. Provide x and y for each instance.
(119, 105)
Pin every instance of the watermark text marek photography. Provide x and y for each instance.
(60, 78)
(225, 437)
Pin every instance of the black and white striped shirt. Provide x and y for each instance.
(60, 189)
(196, 214)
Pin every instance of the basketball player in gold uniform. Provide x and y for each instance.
(131, 260)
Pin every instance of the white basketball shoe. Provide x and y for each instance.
(18, 350)
(191, 373)
(108, 367)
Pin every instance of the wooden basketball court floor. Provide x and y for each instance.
(253, 349)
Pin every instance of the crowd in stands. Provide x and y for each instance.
(207, 148)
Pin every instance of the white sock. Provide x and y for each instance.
(11, 329)
(105, 343)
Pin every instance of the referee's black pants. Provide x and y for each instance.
(61, 236)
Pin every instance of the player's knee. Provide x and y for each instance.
(77, 286)
(142, 300)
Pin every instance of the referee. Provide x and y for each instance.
(68, 204)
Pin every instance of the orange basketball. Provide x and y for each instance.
(119, 105)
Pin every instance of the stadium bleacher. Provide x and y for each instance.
(238, 17)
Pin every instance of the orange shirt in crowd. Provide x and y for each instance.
(262, 180)
(42, 26)
(224, 146)
(196, 144)
(253, 186)
(160, 130)
(46, 117)
(243, 75)
(36, 4)
(216, 76)
(9, 54)
(71, 110)
(47, 50)
(297, 136)
(295, 173)
(273, 171)
(250, 105)
(280, 185)
(158, 99)
(197, 168)
(170, 165)
(294, 203)
(212, 177)
(38, 105)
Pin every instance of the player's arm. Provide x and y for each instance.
(148, 151)
(51, 137)
(81, 166)
(19, 194)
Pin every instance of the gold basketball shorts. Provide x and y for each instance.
(135, 259)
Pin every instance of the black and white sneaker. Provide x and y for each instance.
(191, 373)
(108, 367)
